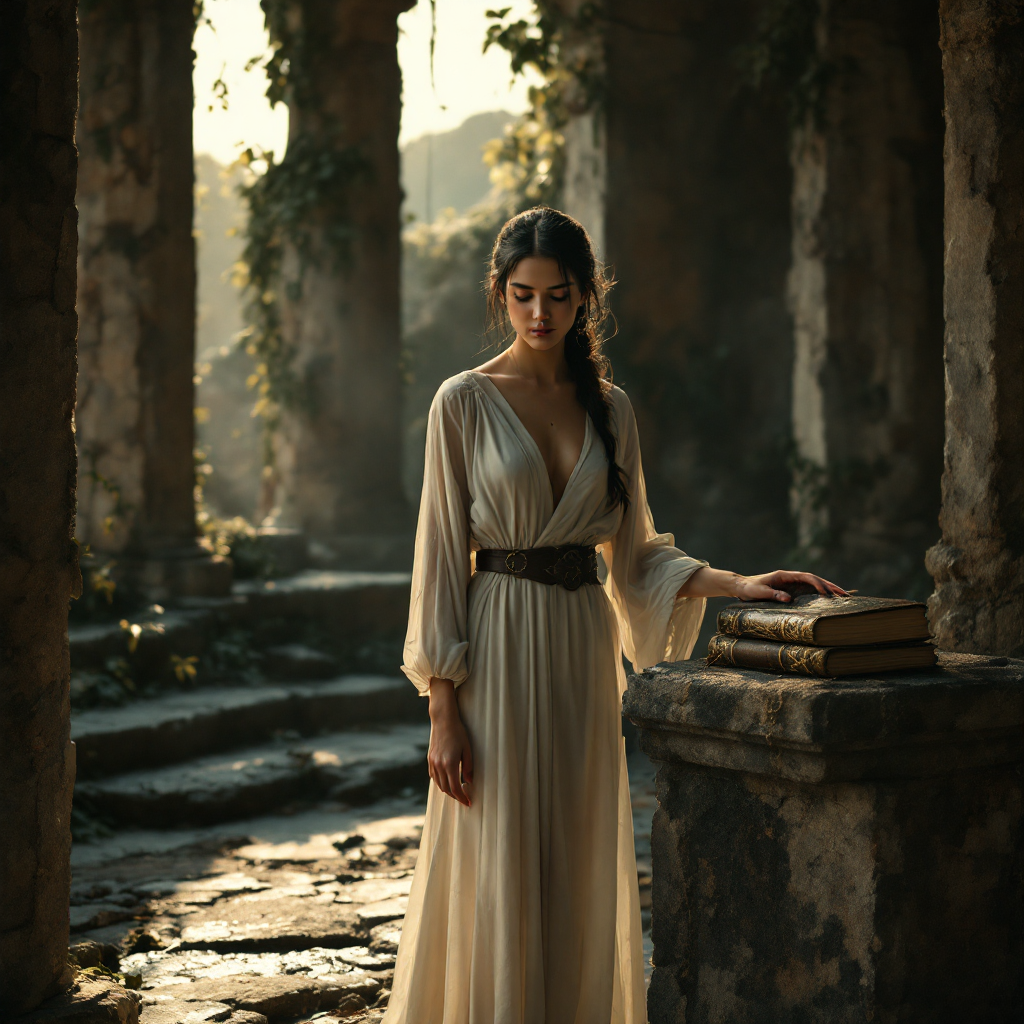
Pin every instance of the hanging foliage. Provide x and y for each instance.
(530, 159)
(301, 202)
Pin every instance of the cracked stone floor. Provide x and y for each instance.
(291, 916)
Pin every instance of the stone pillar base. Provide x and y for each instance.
(835, 851)
(90, 1000)
(978, 603)
(186, 572)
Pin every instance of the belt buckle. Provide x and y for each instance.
(515, 562)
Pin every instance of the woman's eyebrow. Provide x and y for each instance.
(551, 288)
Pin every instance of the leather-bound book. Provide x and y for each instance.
(827, 621)
(802, 660)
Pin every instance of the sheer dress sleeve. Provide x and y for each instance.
(645, 569)
(436, 643)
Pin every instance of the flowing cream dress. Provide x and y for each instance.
(524, 908)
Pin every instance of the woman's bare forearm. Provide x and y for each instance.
(769, 586)
(708, 582)
(443, 700)
(450, 756)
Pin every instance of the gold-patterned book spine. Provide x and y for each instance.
(767, 624)
(795, 659)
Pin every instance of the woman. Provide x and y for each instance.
(524, 906)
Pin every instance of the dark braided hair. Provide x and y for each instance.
(553, 235)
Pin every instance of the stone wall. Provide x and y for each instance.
(38, 559)
(865, 290)
(697, 231)
(978, 604)
(340, 446)
(137, 276)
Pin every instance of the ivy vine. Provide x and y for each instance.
(311, 179)
(301, 201)
(784, 53)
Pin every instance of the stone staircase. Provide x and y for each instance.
(251, 745)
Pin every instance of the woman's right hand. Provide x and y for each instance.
(449, 758)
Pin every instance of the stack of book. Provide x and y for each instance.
(823, 636)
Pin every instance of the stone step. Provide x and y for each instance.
(160, 635)
(356, 766)
(182, 725)
(297, 661)
(356, 602)
(350, 606)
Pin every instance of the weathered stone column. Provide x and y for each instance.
(586, 172)
(865, 289)
(978, 604)
(835, 851)
(697, 231)
(340, 445)
(38, 559)
(137, 296)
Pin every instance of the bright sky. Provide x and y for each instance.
(467, 81)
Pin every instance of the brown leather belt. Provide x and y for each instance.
(569, 566)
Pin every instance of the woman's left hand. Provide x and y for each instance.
(781, 584)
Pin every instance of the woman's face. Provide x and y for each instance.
(541, 302)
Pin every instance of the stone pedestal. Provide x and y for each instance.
(136, 296)
(866, 294)
(339, 450)
(835, 851)
(978, 604)
(697, 230)
(38, 559)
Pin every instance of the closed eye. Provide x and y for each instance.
(529, 297)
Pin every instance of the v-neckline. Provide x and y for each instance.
(494, 391)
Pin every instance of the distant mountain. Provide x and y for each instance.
(447, 169)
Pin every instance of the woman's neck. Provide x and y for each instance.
(547, 367)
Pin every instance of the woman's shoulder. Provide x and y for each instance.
(622, 408)
(618, 398)
(456, 392)
(454, 387)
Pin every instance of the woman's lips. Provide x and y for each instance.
(541, 330)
